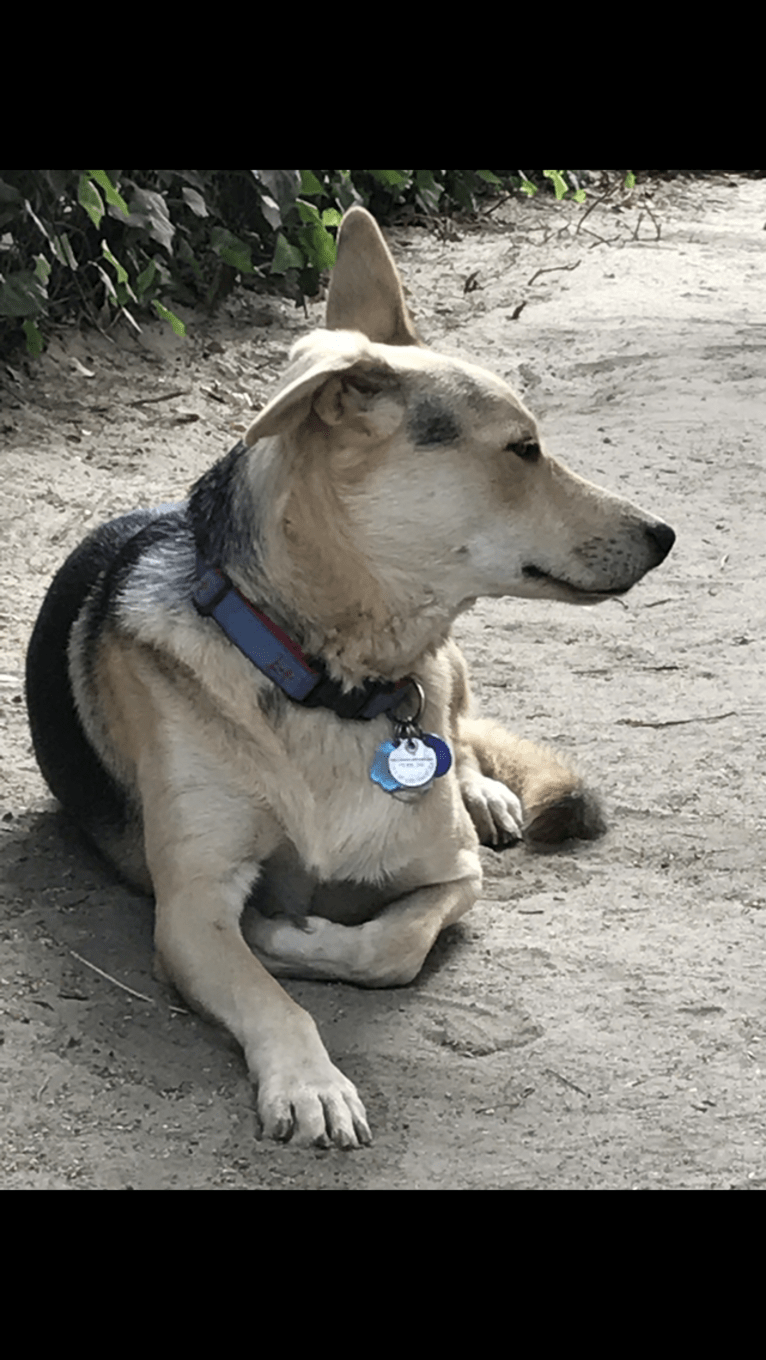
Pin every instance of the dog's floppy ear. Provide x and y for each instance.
(341, 379)
(365, 289)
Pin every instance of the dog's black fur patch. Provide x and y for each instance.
(214, 515)
(94, 572)
(431, 422)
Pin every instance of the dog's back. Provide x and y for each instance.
(87, 581)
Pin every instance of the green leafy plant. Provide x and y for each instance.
(100, 245)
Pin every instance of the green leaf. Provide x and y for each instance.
(58, 181)
(63, 250)
(489, 177)
(283, 185)
(8, 193)
(146, 279)
(22, 294)
(393, 178)
(90, 199)
(107, 282)
(195, 201)
(193, 177)
(42, 269)
(122, 274)
(34, 339)
(630, 180)
(149, 210)
(231, 250)
(344, 191)
(131, 319)
(429, 192)
(528, 188)
(580, 196)
(309, 183)
(319, 246)
(110, 193)
(462, 194)
(285, 256)
(307, 211)
(185, 253)
(331, 217)
(40, 226)
(175, 321)
(559, 184)
(271, 210)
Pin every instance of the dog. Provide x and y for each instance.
(253, 697)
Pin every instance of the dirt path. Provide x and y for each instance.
(599, 1020)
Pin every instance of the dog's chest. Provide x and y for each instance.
(341, 822)
(312, 772)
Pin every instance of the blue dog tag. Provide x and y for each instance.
(382, 773)
(379, 772)
(443, 753)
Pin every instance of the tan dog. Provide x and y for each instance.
(375, 497)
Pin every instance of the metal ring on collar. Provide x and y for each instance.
(411, 718)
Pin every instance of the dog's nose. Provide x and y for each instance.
(663, 536)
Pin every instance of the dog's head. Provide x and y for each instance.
(436, 467)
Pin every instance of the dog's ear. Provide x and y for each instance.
(341, 380)
(365, 289)
(366, 401)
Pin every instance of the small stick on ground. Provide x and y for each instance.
(589, 209)
(566, 1082)
(177, 1010)
(673, 722)
(164, 396)
(109, 978)
(551, 268)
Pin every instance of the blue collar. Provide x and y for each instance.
(303, 679)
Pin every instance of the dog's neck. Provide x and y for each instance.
(296, 555)
(360, 632)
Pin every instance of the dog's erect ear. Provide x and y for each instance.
(341, 379)
(365, 290)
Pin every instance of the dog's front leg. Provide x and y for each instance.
(387, 951)
(300, 1093)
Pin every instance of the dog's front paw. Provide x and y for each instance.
(306, 1099)
(495, 811)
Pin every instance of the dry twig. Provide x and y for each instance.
(566, 1082)
(551, 268)
(164, 396)
(177, 1010)
(109, 978)
(673, 722)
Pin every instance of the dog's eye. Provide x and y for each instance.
(527, 450)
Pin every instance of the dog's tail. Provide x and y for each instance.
(557, 806)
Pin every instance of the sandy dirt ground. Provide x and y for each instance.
(599, 1020)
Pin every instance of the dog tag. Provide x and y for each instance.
(435, 759)
(443, 753)
(412, 764)
(379, 771)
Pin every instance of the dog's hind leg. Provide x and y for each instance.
(387, 951)
(556, 805)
